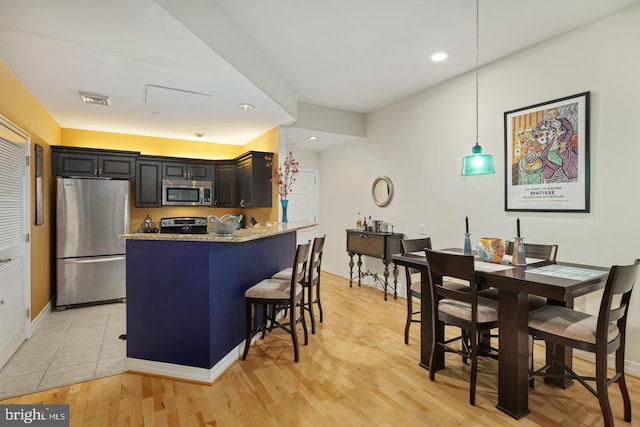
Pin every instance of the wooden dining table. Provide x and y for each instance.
(559, 282)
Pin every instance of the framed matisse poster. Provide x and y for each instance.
(547, 156)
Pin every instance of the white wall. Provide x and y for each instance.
(325, 119)
(307, 159)
(419, 143)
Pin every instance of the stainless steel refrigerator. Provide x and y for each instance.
(90, 255)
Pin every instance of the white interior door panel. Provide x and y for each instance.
(14, 246)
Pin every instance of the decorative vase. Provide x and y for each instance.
(467, 244)
(519, 258)
(491, 249)
(284, 203)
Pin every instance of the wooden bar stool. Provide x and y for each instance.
(311, 281)
(274, 294)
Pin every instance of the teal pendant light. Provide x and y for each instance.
(477, 163)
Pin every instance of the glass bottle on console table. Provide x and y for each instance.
(370, 224)
(359, 222)
(364, 224)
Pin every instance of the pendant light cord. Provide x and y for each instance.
(477, 125)
(477, 163)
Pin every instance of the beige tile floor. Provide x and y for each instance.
(71, 346)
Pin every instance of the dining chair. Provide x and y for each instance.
(532, 250)
(311, 281)
(535, 250)
(461, 308)
(413, 285)
(275, 294)
(600, 334)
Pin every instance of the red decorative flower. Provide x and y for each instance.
(284, 176)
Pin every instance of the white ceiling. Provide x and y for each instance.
(204, 57)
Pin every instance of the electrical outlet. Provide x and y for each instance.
(422, 229)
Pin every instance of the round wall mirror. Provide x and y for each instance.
(382, 191)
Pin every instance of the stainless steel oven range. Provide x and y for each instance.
(184, 225)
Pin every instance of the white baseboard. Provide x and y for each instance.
(24, 333)
(40, 318)
(189, 373)
(630, 367)
(11, 346)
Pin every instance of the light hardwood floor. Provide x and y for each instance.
(356, 371)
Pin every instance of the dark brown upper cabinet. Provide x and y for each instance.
(86, 162)
(253, 180)
(192, 171)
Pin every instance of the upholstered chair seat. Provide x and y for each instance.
(487, 309)
(272, 289)
(283, 274)
(570, 324)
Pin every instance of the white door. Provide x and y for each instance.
(303, 203)
(14, 246)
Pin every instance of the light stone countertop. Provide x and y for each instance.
(243, 235)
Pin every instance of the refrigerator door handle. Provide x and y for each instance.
(94, 260)
(127, 227)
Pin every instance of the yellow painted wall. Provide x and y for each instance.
(21, 108)
(177, 148)
(149, 145)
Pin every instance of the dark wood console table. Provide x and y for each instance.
(376, 245)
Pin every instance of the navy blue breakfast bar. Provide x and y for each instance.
(185, 297)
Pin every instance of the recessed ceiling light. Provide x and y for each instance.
(198, 134)
(156, 113)
(245, 106)
(93, 98)
(313, 138)
(440, 56)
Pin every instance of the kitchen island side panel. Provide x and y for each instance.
(236, 268)
(185, 299)
(167, 301)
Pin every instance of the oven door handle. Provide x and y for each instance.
(93, 260)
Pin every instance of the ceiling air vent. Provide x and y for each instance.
(92, 98)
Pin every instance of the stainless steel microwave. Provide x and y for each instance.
(186, 193)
